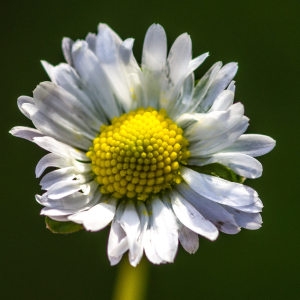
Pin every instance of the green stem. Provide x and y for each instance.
(131, 282)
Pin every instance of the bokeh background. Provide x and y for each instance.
(263, 36)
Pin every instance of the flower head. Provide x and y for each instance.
(145, 149)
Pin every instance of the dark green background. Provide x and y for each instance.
(263, 36)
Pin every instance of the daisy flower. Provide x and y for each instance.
(145, 149)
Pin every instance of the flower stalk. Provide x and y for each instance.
(131, 281)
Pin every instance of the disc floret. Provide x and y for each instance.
(139, 154)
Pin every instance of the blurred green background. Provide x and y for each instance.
(263, 36)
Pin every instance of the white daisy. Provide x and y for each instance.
(144, 149)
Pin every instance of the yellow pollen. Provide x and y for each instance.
(139, 154)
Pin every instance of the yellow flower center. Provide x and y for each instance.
(139, 154)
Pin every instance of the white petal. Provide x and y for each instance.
(197, 61)
(53, 177)
(255, 207)
(179, 57)
(51, 160)
(125, 51)
(182, 95)
(164, 229)
(59, 218)
(231, 86)
(68, 205)
(217, 143)
(135, 222)
(203, 86)
(66, 77)
(155, 49)
(250, 221)
(223, 101)
(242, 164)
(28, 108)
(180, 78)
(71, 204)
(130, 64)
(252, 144)
(57, 212)
(64, 188)
(58, 114)
(150, 250)
(25, 132)
(221, 81)
(67, 47)
(144, 220)
(188, 239)
(187, 119)
(218, 189)
(93, 77)
(91, 41)
(212, 211)
(97, 217)
(107, 44)
(62, 158)
(192, 218)
(49, 96)
(117, 243)
(179, 90)
(56, 147)
(130, 222)
(22, 101)
(214, 124)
